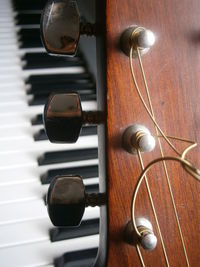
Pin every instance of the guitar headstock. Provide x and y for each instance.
(147, 82)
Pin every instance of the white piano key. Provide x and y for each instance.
(33, 210)
(43, 253)
(17, 175)
(18, 73)
(12, 87)
(19, 52)
(25, 232)
(23, 107)
(29, 145)
(13, 160)
(12, 117)
(22, 192)
(28, 191)
(22, 174)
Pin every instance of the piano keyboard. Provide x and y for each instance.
(28, 160)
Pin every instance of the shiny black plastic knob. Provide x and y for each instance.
(61, 27)
(63, 117)
(66, 200)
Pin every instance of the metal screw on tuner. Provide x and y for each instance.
(64, 118)
(137, 37)
(61, 27)
(147, 238)
(137, 137)
(67, 199)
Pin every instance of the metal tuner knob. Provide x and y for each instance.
(137, 137)
(61, 27)
(147, 239)
(64, 118)
(67, 199)
(137, 37)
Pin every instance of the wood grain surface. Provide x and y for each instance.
(173, 73)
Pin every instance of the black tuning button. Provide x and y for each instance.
(64, 118)
(61, 27)
(67, 199)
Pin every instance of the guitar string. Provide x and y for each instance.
(158, 129)
(164, 163)
(153, 208)
(150, 196)
(181, 160)
(140, 256)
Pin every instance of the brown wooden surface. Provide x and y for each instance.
(173, 74)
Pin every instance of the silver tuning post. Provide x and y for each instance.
(147, 239)
(138, 137)
(137, 37)
(61, 27)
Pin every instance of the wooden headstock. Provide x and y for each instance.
(172, 72)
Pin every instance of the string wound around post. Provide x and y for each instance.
(147, 239)
(137, 37)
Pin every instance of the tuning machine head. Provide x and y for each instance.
(67, 199)
(137, 137)
(137, 37)
(61, 27)
(147, 238)
(64, 118)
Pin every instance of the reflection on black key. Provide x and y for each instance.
(37, 120)
(88, 130)
(67, 156)
(41, 100)
(55, 78)
(85, 172)
(86, 228)
(83, 258)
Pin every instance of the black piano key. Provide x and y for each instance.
(41, 100)
(21, 5)
(43, 60)
(27, 19)
(55, 78)
(91, 189)
(83, 258)
(37, 120)
(43, 56)
(46, 89)
(29, 38)
(86, 228)
(89, 130)
(67, 156)
(85, 172)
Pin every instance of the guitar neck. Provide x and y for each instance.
(172, 71)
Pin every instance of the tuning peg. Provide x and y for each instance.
(137, 37)
(61, 27)
(64, 118)
(67, 199)
(137, 137)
